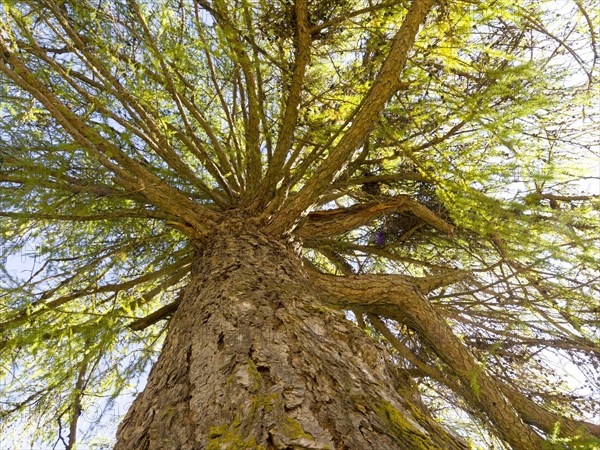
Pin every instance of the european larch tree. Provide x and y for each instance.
(343, 224)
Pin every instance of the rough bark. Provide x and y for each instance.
(253, 359)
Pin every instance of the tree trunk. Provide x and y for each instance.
(253, 359)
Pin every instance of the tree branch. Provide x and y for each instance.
(156, 316)
(531, 412)
(397, 298)
(332, 222)
(108, 215)
(385, 179)
(233, 37)
(330, 23)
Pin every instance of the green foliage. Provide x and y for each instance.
(491, 134)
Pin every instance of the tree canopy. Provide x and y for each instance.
(435, 151)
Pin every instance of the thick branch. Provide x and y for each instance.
(108, 215)
(332, 222)
(531, 412)
(387, 178)
(398, 299)
(546, 420)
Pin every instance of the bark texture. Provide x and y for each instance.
(253, 359)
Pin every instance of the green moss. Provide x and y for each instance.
(231, 436)
(317, 308)
(168, 411)
(226, 437)
(266, 402)
(417, 413)
(254, 373)
(217, 431)
(232, 441)
(474, 383)
(294, 430)
(230, 380)
(406, 430)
